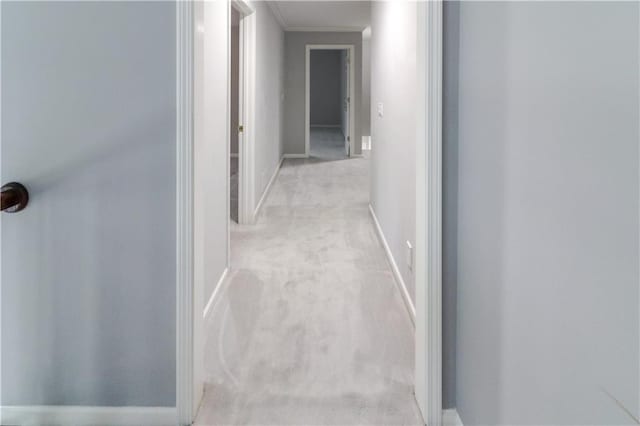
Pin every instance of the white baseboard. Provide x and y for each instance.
(295, 156)
(267, 189)
(214, 296)
(32, 415)
(450, 417)
(394, 268)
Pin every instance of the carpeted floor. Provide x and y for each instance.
(327, 143)
(310, 327)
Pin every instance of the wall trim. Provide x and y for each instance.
(411, 310)
(267, 189)
(428, 252)
(184, 212)
(450, 417)
(275, 11)
(295, 156)
(33, 415)
(216, 292)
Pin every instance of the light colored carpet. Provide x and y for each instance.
(327, 143)
(310, 328)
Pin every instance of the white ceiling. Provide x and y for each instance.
(322, 15)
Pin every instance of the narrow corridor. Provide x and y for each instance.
(310, 327)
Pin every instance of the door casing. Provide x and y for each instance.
(428, 368)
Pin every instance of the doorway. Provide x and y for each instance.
(328, 101)
(241, 111)
(235, 133)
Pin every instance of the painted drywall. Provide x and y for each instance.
(294, 109)
(211, 164)
(547, 235)
(269, 96)
(88, 269)
(449, 201)
(366, 82)
(211, 156)
(393, 83)
(325, 83)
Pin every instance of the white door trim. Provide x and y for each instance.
(246, 117)
(428, 379)
(307, 93)
(428, 374)
(184, 211)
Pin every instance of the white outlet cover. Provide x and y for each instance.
(380, 109)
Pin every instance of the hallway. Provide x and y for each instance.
(310, 328)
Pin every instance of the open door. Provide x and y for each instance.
(346, 93)
(88, 270)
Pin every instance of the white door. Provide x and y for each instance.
(88, 98)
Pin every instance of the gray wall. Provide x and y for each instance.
(547, 208)
(326, 88)
(393, 82)
(269, 96)
(294, 110)
(88, 269)
(449, 201)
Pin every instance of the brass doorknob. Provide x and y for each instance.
(15, 197)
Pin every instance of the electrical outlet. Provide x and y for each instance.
(380, 109)
(409, 255)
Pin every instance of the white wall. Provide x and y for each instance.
(547, 212)
(88, 268)
(269, 96)
(295, 42)
(211, 162)
(211, 146)
(393, 83)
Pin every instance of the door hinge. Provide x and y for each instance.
(240, 128)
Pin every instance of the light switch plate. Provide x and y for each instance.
(409, 255)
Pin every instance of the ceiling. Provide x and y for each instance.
(322, 15)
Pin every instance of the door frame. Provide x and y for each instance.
(307, 93)
(428, 255)
(428, 374)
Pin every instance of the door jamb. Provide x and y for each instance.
(184, 211)
(428, 379)
(428, 347)
(307, 93)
